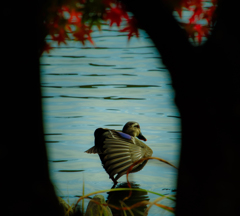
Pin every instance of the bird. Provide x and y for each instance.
(118, 150)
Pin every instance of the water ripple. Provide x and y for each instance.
(98, 65)
(105, 98)
(106, 85)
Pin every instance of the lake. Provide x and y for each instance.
(107, 85)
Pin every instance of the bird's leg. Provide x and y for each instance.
(114, 181)
(113, 186)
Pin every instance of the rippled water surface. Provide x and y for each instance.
(107, 85)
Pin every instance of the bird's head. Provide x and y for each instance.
(133, 128)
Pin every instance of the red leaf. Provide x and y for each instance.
(196, 14)
(83, 34)
(108, 3)
(65, 8)
(89, 38)
(188, 3)
(68, 27)
(209, 13)
(60, 37)
(115, 15)
(214, 2)
(75, 17)
(198, 29)
(202, 31)
(46, 48)
(131, 28)
(179, 11)
(189, 29)
(56, 22)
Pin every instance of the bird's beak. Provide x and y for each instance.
(141, 137)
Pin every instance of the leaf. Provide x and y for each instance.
(75, 17)
(179, 11)
(115, 15)
(108, 3)
(202, 31)
(197, 14)
(131, 28)
(65, 8)
(83, 34)
(209, 14)
(93, 12)
(189, 29)
(189, 3)
(46, 48)
(95, 20)
(214, 2)
(60, 37)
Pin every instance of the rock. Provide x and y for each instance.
(65, 206)
(94, 209)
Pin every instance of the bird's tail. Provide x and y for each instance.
(93, 150)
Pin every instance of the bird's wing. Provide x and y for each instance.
(120, 152)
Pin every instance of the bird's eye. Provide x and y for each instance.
(137, 126)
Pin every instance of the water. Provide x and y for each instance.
(107, 85)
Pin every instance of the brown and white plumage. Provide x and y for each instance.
(119, 150)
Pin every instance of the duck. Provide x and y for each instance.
(118, 150)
